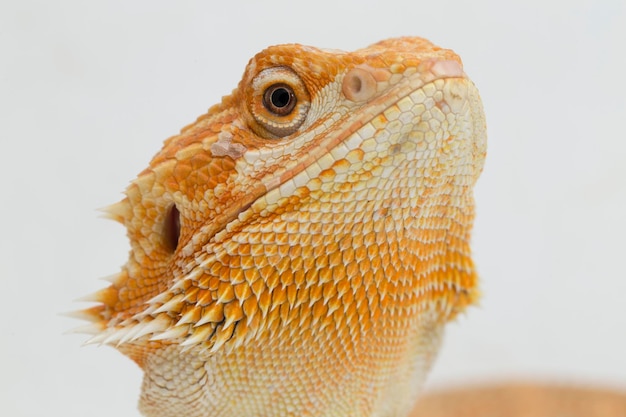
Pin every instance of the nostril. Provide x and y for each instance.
(171, 229)
(358, 85)
(355, 84)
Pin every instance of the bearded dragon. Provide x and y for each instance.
(298, 249)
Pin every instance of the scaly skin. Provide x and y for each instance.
(297, 250)
(523, 400)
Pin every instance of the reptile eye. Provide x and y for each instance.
(279, 99)
(171, 229)
(278, 102)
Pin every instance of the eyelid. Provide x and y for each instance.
(270, 124)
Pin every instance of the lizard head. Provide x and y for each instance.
(330, 187)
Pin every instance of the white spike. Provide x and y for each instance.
(111, 278)
(190, 342)
(210, 315)
(130, 334)
(179, 285)
(198, 337)
(173, 333)
(101, 296)
(80, 315)
(141, 316)
(159, 324)
(89, 298)
(92, 329)
(204, 319)
(99, 338)
(118, 211)
(187, 317)
(168, 306)
(116, 336)
(160, 298)
(218, 343)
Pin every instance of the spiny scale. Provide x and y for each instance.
(118, 211)
(298, 249)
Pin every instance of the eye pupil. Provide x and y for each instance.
(279, 99)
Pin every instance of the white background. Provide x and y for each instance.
(88, 91)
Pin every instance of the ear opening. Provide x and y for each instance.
(171, 229)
